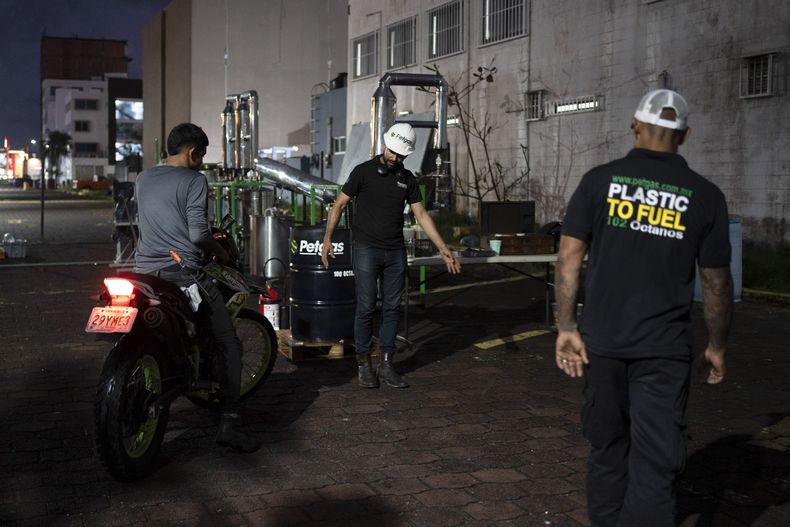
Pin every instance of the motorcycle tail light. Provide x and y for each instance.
(120, 290)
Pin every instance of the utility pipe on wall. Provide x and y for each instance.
(383, 107)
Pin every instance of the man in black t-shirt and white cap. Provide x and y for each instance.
(644, 221)
(381, 187)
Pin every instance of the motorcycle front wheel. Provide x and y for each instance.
(258, 354)
(127, 435)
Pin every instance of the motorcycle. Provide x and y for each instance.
(164, 352)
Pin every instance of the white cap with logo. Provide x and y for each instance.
(400, 138)
(652, 104)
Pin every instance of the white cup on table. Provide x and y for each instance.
(495, 245)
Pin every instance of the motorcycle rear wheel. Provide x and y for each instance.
(258, 354)
(127, 438)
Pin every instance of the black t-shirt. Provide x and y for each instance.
(379, 200)
(646, 218)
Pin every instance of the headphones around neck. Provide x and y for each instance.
(383, 170)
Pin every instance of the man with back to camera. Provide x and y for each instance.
(646, 219)
(380, 187)
(172, 203)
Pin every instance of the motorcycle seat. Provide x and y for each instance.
(160, 286)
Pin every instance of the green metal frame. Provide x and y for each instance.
(234, 186)
(313, 188)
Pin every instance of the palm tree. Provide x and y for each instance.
(56, 147)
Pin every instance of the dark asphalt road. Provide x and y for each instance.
(483, 437)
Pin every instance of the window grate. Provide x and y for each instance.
(757, 76)
(445, 29)
(535, 108)
(589, 103)
(502, 20)
(401, 43)
(365, 55)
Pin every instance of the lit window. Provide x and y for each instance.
(535, 110)
(366, 51)
(591, 103)
(757, 76)
(502, 20)
(445, 29)
(401, 39)
(128, 109)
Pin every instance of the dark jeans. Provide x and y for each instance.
(634, 417)
(370, 263)
(228, 351)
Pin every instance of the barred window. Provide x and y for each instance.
(502, 20)
(365, 55)
(445, 29)
(590, 103)
(401, 43)
(757, 75)
(535, 110)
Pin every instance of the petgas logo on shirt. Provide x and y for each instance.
(647, 206)
(313, 248)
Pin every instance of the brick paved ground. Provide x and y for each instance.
(481, 438)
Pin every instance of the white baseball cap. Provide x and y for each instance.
(400, 138)
(652, 104)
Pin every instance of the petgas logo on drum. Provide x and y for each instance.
(308, 248)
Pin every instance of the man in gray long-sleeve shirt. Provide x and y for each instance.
(172, 202)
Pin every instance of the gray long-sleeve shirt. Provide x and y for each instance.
(172, 204)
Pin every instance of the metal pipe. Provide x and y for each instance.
(294, 179)
(245, 154)
(440, 139)
(382, 116)
(248, 128)
(230, 133)
(383, 107)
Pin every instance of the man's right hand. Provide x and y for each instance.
(326, 252)
(715, 359)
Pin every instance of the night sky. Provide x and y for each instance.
(22, 24)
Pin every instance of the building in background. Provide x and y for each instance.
(328, 128)
(568, 77)
(85, 94)
(104, 120)
(197, 52)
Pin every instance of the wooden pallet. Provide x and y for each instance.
(298, 351)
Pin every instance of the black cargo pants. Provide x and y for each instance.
(214, 312)
(634, 418)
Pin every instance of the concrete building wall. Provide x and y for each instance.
(167, 77)
(616, 50)
(279, 49)
(217, 47)
(153, 83)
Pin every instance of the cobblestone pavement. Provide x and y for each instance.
(482, 437)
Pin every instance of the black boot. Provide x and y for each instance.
(230, 434)
(367, 379)
(387, 373)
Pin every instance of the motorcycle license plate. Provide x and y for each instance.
(111, 319)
